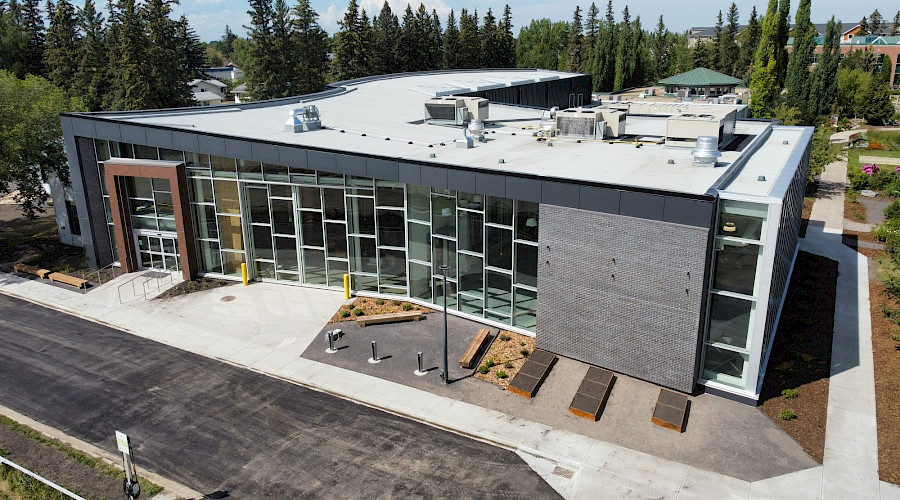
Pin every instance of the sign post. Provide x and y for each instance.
(130, 483)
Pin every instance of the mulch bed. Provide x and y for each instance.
(369, 306)
(507, 356)
(807, 210)
(852, 239)
(855, 211)
(35, 242)
(195, 285)
(886, 355)
(801, 355)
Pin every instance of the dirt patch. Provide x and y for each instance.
(855, 211)
(801, 355)
(507, 355)
(367, 306)
(807, 210)
(195, 285)
(886, 355)
(35, 242)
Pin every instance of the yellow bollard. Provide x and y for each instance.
(346, 287)
(244, 272)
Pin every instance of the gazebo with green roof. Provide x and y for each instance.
(701, 81)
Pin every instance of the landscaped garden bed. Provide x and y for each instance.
(368, 306)
(504, 358)
(795, 388)
(195, 285)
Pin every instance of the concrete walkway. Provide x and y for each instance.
(267, 327)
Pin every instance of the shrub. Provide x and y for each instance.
(892, 211)
(508, 365)
(505, 337)
(406, 306)
(525, 352)
(501, 374)
(787, 415)
(379, 302)
(895, 337)
(395, 302)
(483, 369)
(358, 312)
(345, 313)
(789, 393)
(522, 342)
(490, 363)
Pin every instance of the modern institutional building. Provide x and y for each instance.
(652, 239)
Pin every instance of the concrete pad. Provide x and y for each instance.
(592, 482)
(544, 440)
(454, 414)
(700, 485)
(275, 360)
(801, 485)
(339, 381)
(598, 454)
(500, 427)
(840, 485)
(414, 402)
(889, 491)
(577, 449)
(376, 392)
(643, 467)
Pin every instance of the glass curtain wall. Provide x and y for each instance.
(302, 226)
(733, 295)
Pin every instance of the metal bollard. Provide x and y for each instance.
(421, 370)
(331, 341)
(374, 359)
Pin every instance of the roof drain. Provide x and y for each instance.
(707, 151)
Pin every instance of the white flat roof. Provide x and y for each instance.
(363, 118)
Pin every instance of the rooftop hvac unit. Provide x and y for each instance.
(685, 128)
(453, 110)
(615, 122)
(303, 119)
(579, 123)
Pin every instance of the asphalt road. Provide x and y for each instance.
(214, 427)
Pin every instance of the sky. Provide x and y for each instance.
(209, 17)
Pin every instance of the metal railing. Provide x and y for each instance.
(154, 282)
(99, 273)
(4, 461)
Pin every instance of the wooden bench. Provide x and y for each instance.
(473, 352)
(25, 268)
(592, 394)
(375, 319)
(69, 280)
(671, 410)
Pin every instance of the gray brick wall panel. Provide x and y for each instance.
(622, 293)
(292, 157)
(351, 165)
(134, 134)
(685, 211)
(643, 205)
(211, 145)
(490, 184)
(84, 128)
(319, 160)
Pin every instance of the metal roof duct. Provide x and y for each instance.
(707, 151)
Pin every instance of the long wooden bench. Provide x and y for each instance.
(473, 352)
(25, 268)
(69, 280)
(375, 319)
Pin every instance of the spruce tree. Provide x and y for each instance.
(749, 40)
(311, 44)
(31, 25)
(623, 52)
(605, 52)
(798, 76)
(717, 45)
(283, 51)
(824, 80)
(661, 50)
(133, 91)
(450, 50)
(349, 46)
(895, 26)
(469, 47)
(591, 27)
(784, 32)
(435, 42)
(386, 33)
(507, 57)
(728, 50)
(764, 79)
(489, 40)
(411, 46)
(63, 44)
(168, 83)
(575, 61)
(260, 76)
(639, 56)
(864, 26)
(876, 23)
(91, 80)
(428, 48)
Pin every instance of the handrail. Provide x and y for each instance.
(5, 461)
(134, 292)
(99, 272)
(158, 280)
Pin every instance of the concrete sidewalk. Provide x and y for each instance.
(246, 326)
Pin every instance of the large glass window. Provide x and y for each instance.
(500, 211)
(258, 202)
(393, 267)
(740, 219)
(210, 262)
(310, 197)
(283, 216)
(526, 308)
(736, 267)
(419, 206)
(262, 242)
(333, 202)
(391, 230)
(231, 235)
(361, 215)
(445, 255)
(389, 194)
(499, 247)
(725, 366)
(443, 220)
(362, 255)
(471, 274)
(729, 320)
(499, 292)
(420, 281)
(471, 231)
(286, 254)
(526, 221)
(311, 229)
(526, 264)
(227, 201)
(202, 191)
(419, 242)
(336, 235)
(223, 167)
(205, 222)
(314, 267)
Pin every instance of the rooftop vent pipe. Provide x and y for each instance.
(707, 151)
(303, 119)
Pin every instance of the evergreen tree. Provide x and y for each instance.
(876, 23)
(784, 32)
(704, 54)
(717, 55)
(623, 52)
(661, 50)
(31, 25)
(91, 80)
(166, 72)
(489, 39)
(728, 50)
(639, 56)
(367, 39)
(895, 26)
(576, 58)
(428, 46)
(451, 43)
(191, 56)
(749, 40)
(133, 89)
(411, 46)
(864, 26)
(112, 44)
(605, 53)
(350, 47)
(283, 52)
(435, 42)
(507, 54)
(63, 44)
(798, 74)
(311, 45)
(469, 48)
(228, 42)
(876, 104)
(824, 82)
(541, 43)
(764, 79)
(386, 33)
(591, 27)
(260, 75)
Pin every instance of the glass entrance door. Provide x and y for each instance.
(157, 250)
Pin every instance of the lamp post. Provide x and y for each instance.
(445, 376)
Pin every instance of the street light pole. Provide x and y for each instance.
(445, 377)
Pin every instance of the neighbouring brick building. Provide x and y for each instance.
(652, 239)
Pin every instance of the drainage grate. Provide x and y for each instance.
(562, 471)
